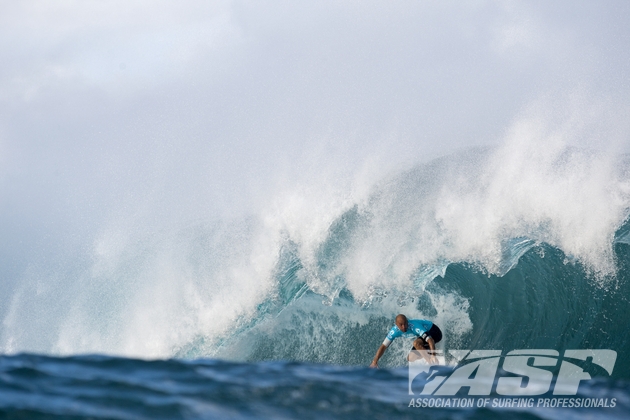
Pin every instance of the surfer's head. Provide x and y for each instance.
(401, 322)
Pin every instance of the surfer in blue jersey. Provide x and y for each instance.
(426, 332)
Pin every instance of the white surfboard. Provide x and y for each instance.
(418, 358)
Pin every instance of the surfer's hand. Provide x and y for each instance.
(434, 360)
(374, 364)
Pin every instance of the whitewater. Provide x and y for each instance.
(525, 237)
(517, 246)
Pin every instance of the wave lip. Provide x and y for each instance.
(484, 242)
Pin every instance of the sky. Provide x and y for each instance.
(155, 113)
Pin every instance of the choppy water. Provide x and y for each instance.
(118, 388)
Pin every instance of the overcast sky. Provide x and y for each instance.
(198, 110)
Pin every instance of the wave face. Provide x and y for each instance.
(503, 248)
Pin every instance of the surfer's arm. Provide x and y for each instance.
(431, 343)
(378, 355)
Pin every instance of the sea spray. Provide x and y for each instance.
(469, 240)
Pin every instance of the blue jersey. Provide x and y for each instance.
(415, 328)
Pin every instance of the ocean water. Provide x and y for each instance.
(120, 388)
(279, 314)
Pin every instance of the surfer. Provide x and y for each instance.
(427, 333)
